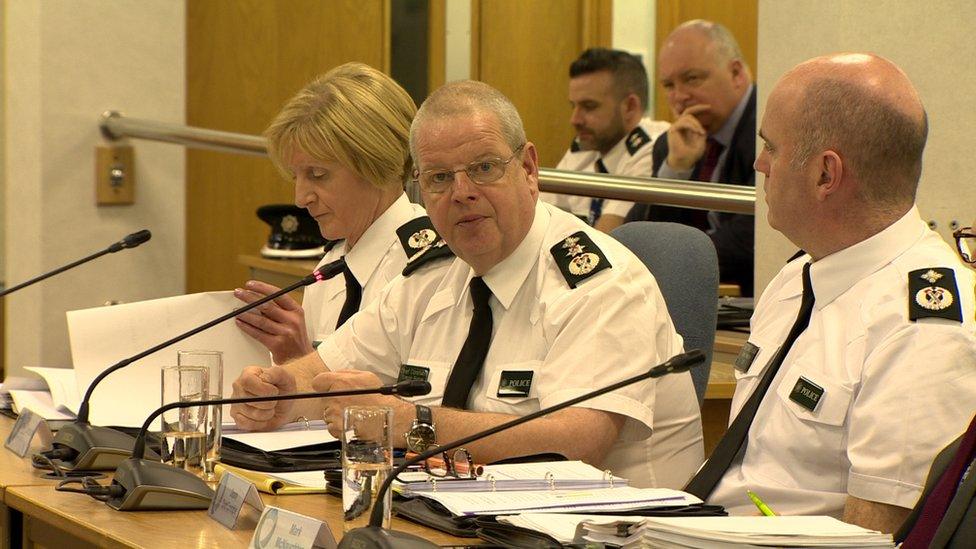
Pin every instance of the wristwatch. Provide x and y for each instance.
(421, 433)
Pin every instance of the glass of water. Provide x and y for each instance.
(185, 429)
(213, 361)
(367, 460)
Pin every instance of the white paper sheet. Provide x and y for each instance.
(568, 501)
(39, 402)
(103, 336)
(293, 435)
(62, 384)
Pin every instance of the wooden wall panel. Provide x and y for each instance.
(741, 17)
(244, 59)
(524, 49)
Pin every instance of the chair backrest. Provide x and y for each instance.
(684, 262)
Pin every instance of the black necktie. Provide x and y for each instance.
(596, 204)
(354, 297)
(475, 349)
(707, 478)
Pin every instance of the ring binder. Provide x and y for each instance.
(304, 420)
(491, 478)
(551, 479)
(608, 476)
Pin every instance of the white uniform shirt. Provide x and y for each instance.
(618, 161)
(375, 260)
(613, 325)
(895, 391)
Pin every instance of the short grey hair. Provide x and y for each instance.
(726, 46)
(467, 98)
(881, 145)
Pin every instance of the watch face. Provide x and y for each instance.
(420, 437)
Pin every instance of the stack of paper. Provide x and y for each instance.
(293, 435)
(53, 397)
(727, 532)
(16, 383)
(558, 475)
(621, 499)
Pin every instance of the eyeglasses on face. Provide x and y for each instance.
(965, 244)
(481, 172)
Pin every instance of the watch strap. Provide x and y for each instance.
(424, 415)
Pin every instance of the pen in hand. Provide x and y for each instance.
(763, 508)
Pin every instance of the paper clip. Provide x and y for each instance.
(608, 476)
(491, 478)
(551, 479)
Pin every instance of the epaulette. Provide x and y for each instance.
(574, 146)
(579, 258)
(421, 243)
(933, 292)
(637, 139)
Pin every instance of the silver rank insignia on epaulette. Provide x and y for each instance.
(578, 258)
(421, 244)
(581, 263)
(932, 293)
(289, 224)
(933, 298)
(422, 239)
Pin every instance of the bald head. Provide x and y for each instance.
(467, 98)
(864, 108)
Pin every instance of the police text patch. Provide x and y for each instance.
(806, 393)
(515, 383)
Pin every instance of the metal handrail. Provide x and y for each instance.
(669, 192)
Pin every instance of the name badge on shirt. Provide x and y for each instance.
(746, 356)
(515, 383)
(807, 393)
(408, 372)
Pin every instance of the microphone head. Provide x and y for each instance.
(136, 239)
(413, 387)
(685, 361)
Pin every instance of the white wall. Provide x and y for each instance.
(932, 42)
(633, 31)
(66, 62)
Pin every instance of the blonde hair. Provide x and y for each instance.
(354, 115)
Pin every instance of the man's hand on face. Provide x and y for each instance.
(686, 139)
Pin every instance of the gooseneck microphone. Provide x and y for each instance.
(82, 446)
(130, 241)
(376, 537)
(142, 485)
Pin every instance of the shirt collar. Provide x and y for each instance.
(507, 277)
(839, 271)
(366, 255)
(727, 131)
(612, 158)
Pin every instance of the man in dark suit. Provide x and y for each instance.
(713, 137)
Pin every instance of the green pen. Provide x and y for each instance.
(763, 508)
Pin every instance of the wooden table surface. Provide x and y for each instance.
(96, 523)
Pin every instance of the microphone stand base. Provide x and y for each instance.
(370, 537)
(95, 448)
(151, 485)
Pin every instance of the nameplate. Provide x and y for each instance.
(278, 528)
(27, 425)
(233, 492)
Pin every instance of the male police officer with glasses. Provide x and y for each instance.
(536, 308)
